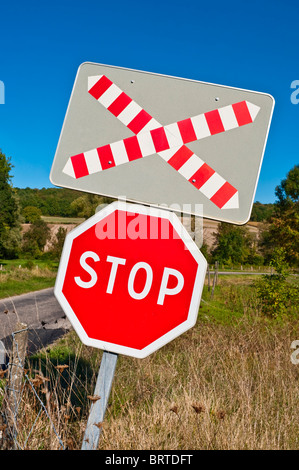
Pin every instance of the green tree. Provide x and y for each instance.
(277, 295)
(35, 239)
(282, 231)
(57, 243)
(85, 206)
(233, 244)
(10, 227)
(261, 212)
(31, 214)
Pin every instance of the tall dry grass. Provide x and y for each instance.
(228, 383)
(217, 387)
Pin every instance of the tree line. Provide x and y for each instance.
(279, 230)
(279, 222)
(61, 202)
(49, 201)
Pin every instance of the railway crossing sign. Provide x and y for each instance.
(130, 279)
(163, 141)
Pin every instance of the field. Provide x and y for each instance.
(228, 383)
(62, 220)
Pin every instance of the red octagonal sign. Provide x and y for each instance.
(130, 279)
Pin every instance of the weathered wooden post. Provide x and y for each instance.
(15, 376)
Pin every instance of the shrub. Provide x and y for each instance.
(35, 239)
(276, 294)
(31, 214)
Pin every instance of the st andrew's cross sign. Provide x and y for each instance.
(163, 140)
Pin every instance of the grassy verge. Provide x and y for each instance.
(21, 276)
(228, 383)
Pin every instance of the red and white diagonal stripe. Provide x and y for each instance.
(164, 138)
(167, 141)
(120, 104)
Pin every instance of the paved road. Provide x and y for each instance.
(40, 311)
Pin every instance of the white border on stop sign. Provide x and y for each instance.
(197, 286)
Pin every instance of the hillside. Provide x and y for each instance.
(56, 202)
(50, 201)
(209, 228)
(55, 205)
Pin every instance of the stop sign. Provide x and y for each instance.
(130, 279)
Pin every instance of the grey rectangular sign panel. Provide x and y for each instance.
(163, 141)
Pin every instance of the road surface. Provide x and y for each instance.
(41, 312)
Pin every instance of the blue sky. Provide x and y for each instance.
(251, 45)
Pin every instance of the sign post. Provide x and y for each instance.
(98, 408)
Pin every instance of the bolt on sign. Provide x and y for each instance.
(163, 141)
(130, 279)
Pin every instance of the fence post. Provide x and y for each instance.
(15, 376)
(213, 287)
(217, 269)
(2, 354)
(215, 278)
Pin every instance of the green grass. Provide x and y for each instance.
(21, 276)
(7, 265)
(13, 287)
(233, 297)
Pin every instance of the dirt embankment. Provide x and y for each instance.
(54, 229)
(205, 231)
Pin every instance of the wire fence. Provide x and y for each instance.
(25, 418)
